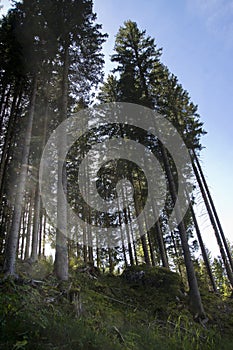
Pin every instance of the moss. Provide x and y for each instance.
(115, 314)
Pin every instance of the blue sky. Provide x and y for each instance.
(197, 41)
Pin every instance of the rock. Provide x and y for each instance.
(134, 276)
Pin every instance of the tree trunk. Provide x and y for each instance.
(61, 255)
(5, 105)
(203, 250)
(11, 248)
(37, 224)
(24, 224)
(44, 234)
(4, 87)
(131, 259)
(89, 231)
(125, 219)
(161, 244)
(122, 239)
(148, 233)
(141, 230)
(111, 267)
(8, 136)
(36, 221)
(213, 223)
(214, 211)
(177, 255)
(40, 233)
(132, 237)
(142, 235)
(29, 221)
(195, 297)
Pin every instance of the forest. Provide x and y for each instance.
(100, 242)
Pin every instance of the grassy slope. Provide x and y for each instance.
(109, 313)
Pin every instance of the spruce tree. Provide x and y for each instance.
(138, 67)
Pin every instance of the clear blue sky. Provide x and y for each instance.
(197, 41)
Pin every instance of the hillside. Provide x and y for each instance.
(143, 308)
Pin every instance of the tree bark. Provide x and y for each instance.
(11, 248)
(37, 224)
(36, 221)
(125, 219)
(195, 297)
(148, 233)
(40, 233)
(8, 136)
(203, 250)
(213, 223)
(61, 254)
(132, 237)
(142, 234)
(177, 255)
(29, 221)
(44, 234)
(24, 226)
(162, 248)
(214, 211)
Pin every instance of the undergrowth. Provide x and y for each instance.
(109, 313)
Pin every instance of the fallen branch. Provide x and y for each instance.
(120, 336)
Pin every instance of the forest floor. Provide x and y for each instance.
(142, 309)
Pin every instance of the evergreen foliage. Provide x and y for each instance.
(51, 64)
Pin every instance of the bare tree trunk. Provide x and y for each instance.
(97, 253)
(4, 87)
(5, 105)
(40, 233)
(37, 204)
(142, 235)
(28, 234)
(122, 233)
(203, 250)
(214, 210)
(111, 267)
(3, 226)
(36, 221)
(132, 237)
(11, 248)
(24, 224)
(44, 234)
(123, 240)
(148, 233)
(179, 256)
(161, 244)
(125, 217)
(131, 259)
(89, 231)
(61, 255)
(84, 246)
(141, 230)
(195, 297)
(8, 136)
(213, 223)
(5, 156)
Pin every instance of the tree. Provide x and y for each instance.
(59, 57)
(75, 29)
(139, 72)
(33, 70)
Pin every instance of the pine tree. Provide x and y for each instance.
(138, 68)
(32, 70)
(58, 48)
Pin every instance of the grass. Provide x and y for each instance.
(109, 313)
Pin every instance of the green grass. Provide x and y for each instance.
(110, 313)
